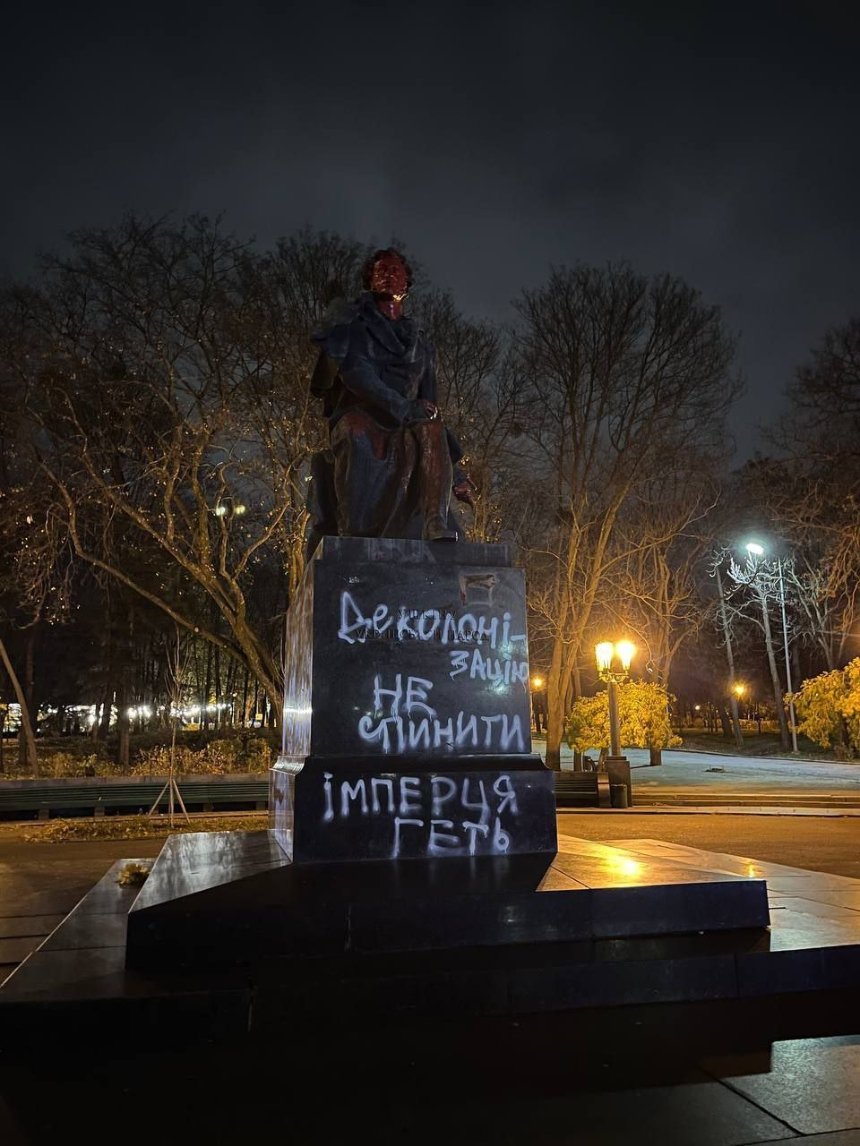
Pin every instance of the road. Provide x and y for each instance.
(704, 777)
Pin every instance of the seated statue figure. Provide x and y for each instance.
(392, 465)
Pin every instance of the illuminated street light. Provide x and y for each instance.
(537, 682)
(755, 550)
(625, 651)
(606, 652)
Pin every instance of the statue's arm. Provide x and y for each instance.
(360, 377)
(427, 385)
(323, 377)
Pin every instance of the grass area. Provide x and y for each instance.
(136, 827)
(755, 744)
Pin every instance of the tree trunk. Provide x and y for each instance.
(725, 721)
(30, 708)
(230, 693)
(122, 721)
(103, 727)
(730, 657)
(218, 722)
(207, 690)
(554, 716)
(31, 758)
(655, 756)
(245, 699)
(774, 677)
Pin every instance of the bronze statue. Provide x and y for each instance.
(390, 470)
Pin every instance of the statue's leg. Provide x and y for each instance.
(321, 503)
(436, 475)
(366, 476)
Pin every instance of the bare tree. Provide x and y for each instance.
(812, 492)
(170, 396)
(482, 403)
(754, 586)
(622, 373)
(652, 591)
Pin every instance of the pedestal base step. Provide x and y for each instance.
(812, 951)
(216, 899)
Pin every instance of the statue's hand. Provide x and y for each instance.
(465, 490)
(421, 411)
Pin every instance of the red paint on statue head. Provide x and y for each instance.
(389, 283)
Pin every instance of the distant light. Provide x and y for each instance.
(755, 549)
(239, 510)
(698, 707)
(537, 682)
(739, 689)
(220, 510)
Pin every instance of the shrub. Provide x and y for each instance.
(217, 758)
(643, 714)
(828, 709)
(58, 765)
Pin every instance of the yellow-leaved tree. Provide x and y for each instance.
(828, 710)
(643, 712)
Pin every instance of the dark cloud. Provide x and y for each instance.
(714, 141)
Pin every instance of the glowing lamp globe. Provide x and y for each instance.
(604, 652)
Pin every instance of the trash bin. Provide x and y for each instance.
(618, 771)
(618, 796)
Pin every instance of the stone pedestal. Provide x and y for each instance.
(407, 708)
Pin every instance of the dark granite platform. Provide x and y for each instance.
(812, 947)
(228, 898)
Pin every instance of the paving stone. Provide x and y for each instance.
(840, 1138)
(17, 949)
(696, 1113)
(813, 1085)
(12, 926)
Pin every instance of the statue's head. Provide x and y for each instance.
(388, 276)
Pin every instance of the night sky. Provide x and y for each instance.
(718, 142)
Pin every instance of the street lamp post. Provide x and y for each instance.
(756, 550)
(791, 711)
(617, 766)
(739, 691)
(607, 652)
(730, 657)
(539, 713)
